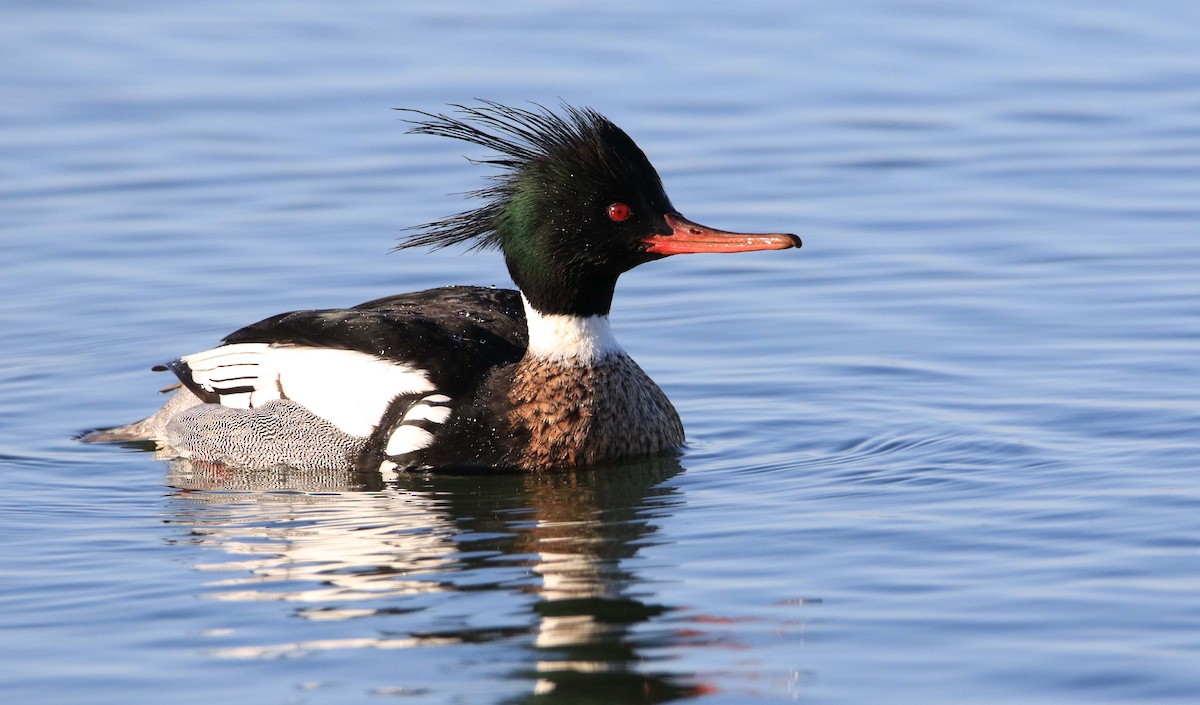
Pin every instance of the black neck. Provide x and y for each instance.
(566, 293)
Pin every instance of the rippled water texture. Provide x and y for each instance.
(946, 453)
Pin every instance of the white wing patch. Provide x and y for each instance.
(420, 412)
(350, 389)
(416, 430)
(229, 370)
(406, 439)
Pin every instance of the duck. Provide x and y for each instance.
(465, 377)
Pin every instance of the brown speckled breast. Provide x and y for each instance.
(576, 415)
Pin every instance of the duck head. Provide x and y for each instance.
(576, 204)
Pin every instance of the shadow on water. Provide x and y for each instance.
(407, 554)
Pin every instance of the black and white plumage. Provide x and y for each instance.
(327, 388)
(465, 376)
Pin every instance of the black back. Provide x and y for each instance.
(455, 334)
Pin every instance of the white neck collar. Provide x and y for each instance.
(576, 340)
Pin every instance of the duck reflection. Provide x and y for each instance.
(563, 547)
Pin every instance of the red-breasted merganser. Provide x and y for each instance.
(466, 377)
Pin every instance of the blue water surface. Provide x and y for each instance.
(948, 452)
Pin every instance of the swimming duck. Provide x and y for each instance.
(464, 376)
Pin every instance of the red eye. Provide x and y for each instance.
(618, 211)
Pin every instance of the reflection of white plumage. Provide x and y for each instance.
(532, 566)
(325, 549)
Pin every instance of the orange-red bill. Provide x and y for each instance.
(687, 237)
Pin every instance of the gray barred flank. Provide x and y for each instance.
(279, 433)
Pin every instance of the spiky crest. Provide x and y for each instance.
(524, 140)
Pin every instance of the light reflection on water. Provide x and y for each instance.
(345, 546)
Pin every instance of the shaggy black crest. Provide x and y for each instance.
(580, 141)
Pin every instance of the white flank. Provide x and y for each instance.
(350, 389)
(576, 340)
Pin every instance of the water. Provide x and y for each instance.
(945, 453)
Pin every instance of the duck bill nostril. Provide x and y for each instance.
(687, 237)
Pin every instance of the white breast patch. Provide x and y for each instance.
(570, 340)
